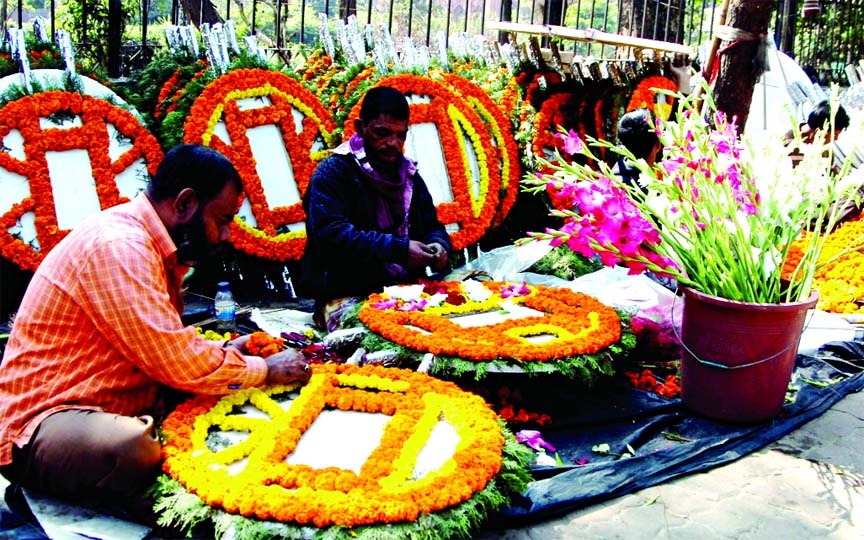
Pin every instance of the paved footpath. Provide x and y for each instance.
(807, 485)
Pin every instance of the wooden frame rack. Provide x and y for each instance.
(595, 36)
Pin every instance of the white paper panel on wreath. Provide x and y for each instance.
(346, 439)
(272, 164)
(423, 145)
(72, 183)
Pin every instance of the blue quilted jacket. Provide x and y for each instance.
(345, 252)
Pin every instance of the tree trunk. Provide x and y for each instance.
(738, 65)
(347, 8)
(201, 11)
(4, 16)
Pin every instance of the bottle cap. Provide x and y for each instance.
(222, 284)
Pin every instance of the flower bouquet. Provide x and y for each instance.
(719, 214)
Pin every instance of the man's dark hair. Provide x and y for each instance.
(193, 166)
(637, 134)
(820, 117)
(383, 100)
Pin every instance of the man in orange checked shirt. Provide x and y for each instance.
(98, 338)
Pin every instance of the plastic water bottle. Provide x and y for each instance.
(225, 309)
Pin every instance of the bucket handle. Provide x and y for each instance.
(716, 364)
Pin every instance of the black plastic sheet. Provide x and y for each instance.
(665, 439)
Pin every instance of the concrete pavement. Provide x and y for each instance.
(807, 485)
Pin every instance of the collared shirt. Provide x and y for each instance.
(99, 328)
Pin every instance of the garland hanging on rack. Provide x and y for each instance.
(646, 96)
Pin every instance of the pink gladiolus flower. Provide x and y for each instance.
(533, 440)
(388, 303)
(572, 143)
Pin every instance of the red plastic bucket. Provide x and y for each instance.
(737, 357)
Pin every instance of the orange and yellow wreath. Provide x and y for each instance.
(306, 128)
(254, 477)
(571, 323)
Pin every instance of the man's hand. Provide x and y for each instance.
(420, 255)
(682, 74)
(239, 343)
(288, 366)
(440, 254)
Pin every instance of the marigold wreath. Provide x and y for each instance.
(252, 484)
(277, 232)
(579, 336)
(92, 134)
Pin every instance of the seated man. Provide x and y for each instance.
(820, 119)
(636, 133)
(637, 130)
(370, 220)
(98, 340)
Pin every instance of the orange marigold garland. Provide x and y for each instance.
(458, 126)
(553, 113)
(176, 90)
(25, 115)
(840, 283)
(254, 477)
(168, 88)
(270, 236)
(645, 95)
(574, 328)
(502, 133)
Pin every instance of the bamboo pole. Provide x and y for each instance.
(712, 52)
(589, 35)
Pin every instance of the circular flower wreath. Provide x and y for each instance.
(456, 120)
(502, 133)
(25, 115)
(645, 95)
(572, 324)
(266, 238)
(387, 489)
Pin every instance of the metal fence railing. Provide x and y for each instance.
(823, 43)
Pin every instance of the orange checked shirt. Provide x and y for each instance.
(99, 328)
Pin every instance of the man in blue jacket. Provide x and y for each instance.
(370, 220)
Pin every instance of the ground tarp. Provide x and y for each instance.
(667, 440)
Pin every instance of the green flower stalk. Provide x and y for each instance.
(718, 213)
